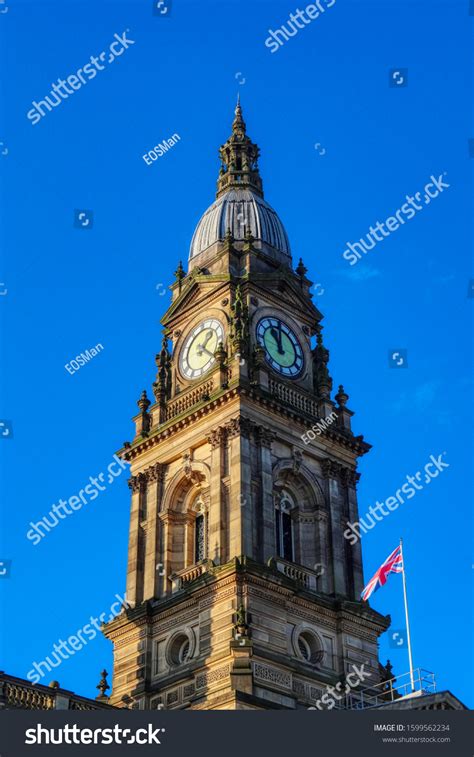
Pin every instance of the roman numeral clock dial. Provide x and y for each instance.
(283, 350)
(197, 354)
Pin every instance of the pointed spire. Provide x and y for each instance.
(239, 159)
(238, 124)
(180, 275)
(322, 381)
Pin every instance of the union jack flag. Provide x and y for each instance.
(393, 564)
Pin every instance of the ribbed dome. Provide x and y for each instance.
(240, 210)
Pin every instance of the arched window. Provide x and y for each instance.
(309, 647)
(200, 538)
(284, 527)
(179, 649)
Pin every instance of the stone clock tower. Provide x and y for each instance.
(243, 591)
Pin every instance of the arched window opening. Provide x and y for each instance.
(284, 528)
(179, 649)
(309, 647)
(200, 538)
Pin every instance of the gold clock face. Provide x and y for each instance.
(283, 351)
(197, 354)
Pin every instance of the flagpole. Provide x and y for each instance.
(406, 617)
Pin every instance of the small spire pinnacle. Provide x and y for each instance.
(239, 159)
(341, 397)
(103, 685)
(143, 403)
(179, 275)
(301, 269)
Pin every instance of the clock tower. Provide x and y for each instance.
(243, 592)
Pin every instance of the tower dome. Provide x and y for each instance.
(239, 208)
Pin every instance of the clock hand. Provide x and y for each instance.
(208, 336)
(277, 337)
(200, 349)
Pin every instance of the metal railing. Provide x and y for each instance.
(394, 690)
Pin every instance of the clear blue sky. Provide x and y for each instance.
(70, 288)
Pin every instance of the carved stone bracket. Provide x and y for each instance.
(297, 458)
(187, 464)
(193, 475)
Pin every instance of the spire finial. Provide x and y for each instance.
(301, 269)
(239, 159)
(238, 125)
(103, 685)
(143, 403)
(341, 397)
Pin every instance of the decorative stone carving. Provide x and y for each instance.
(265, 436)
(187, 465)
(297, 457)
(137, 483)
(344, 474)
(217, 437)
(330, 469)
(155, 472)
(299, 688)
(237, 426)
(189, 690)
(172, 697)
(273, 675)
(212, 676)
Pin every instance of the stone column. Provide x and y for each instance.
(331, 471)
(355, 550)
(165, 553)
(134, 574)
(265, 437)
(239, 525)
(325, 578)
(216, 512)
(154, 477)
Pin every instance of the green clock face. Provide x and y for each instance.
(197, 354)
(282, 348)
